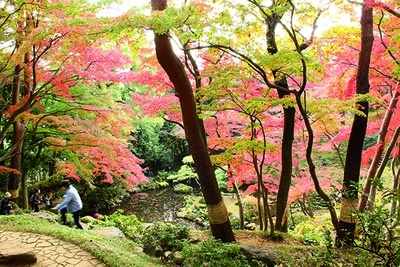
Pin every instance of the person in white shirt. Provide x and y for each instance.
(71, 203)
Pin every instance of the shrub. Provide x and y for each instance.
(167, 236)
(128, 224)
(215, 253)
(379, 236)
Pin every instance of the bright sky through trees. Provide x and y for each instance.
(329, 18)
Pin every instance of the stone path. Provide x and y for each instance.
(50, 252)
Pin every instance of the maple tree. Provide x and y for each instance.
(204, 96)
(218, 216)
(66, 63)
(270, 118)
(317, 103)
(384, 61)
(347, 225)
(383, 81)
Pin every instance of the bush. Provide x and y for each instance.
(128, 224)
(214, 253)
(167, 236)
(312, 230)
(102, 197)
(379, 236)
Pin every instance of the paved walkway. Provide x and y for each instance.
(50, 252)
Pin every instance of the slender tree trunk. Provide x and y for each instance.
(24, 190)
(287, 135)
(286, 169)
(382, 167)
(349, 204)
(259, 208)
(240, 205)
(268, 212)
(394, 209)
(378, 155)
(217, 212)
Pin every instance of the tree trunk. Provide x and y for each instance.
(382, 167)
(396, 183)
(24, 190)
(349, 204)
(378, 155)
(23, 27)
(287, 135)
(217, 212)
(240, 205)
(18, 135)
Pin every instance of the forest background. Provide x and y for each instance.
(277, 101)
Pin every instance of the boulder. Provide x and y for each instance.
(44, 216)
(16, 255)
(263, 254)
(109, 231)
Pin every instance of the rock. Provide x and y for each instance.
(182, 188)
(263, 254)
(44, 216)
(153, 251)
(175, 257)
(16, 255)
(109, 231)
(250, 226)
(178, 259)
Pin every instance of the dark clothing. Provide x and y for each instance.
(5, 206)
(75, 215)
(47, 202)
(35, 201)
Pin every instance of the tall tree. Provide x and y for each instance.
(349, 204)
(21, 86)
(218, 216)
(385, 62)
(56, 68)
(226, 82)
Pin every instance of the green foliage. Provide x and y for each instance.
(321, 257)
(128, 224)
(168, 236)
(214, 253)
(379, 236)
(182, 188)
(370, 141)
(194, 209)
(311, 230)
(250, 210)
(103, 196)
(221, 176)
(185, 173)
(156, 143)
(158, 181)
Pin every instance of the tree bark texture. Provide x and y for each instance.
(349, 205)
(17, 143)
(218, 216)
(287, 135)
(378, 155)
(23, 27)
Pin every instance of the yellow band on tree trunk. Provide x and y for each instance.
(14, 193)
(348, 209)
(218, 213)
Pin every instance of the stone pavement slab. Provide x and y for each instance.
(50, 252)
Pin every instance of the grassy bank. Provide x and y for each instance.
(310, 244)
(114, 252)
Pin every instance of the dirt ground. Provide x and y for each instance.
(248, 238)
